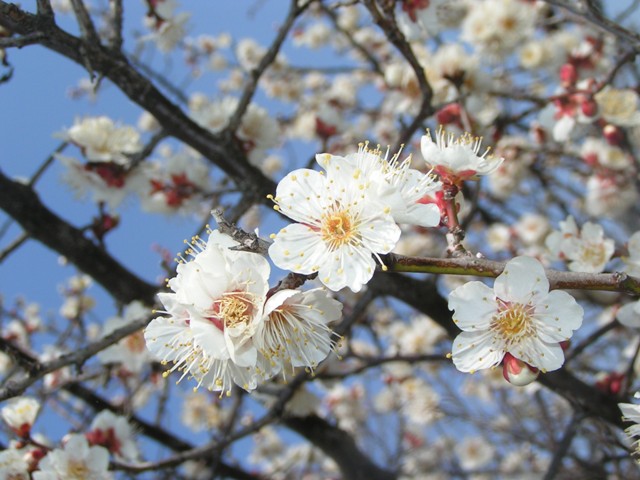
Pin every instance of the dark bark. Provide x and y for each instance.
(340, 446)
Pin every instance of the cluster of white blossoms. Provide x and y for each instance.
(82, 456)
(348, 214)
(226, 327)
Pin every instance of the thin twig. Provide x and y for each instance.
(38, 370)
(294, 11)
(21, 41)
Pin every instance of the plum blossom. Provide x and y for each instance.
(20, 414)
(168, 27)
(519, 316)
(175, 184)
(215, 306)
(632, 261)
(130, 352)
(618, 106)
(13, 465)
(101, 140)
(629, 314)
(497, 27)
(631, 413)
(75, 461)
(340, 225)
(295, 328)
(586, 250)
(457, 159)
(222, 329)
(114, 433)
(423, 18)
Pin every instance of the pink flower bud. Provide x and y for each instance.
(589, 108)
(517, 372)
(568, 75)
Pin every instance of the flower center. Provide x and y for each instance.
(337, 229)
(77, 469)
(594, 254)
(135, 343)
(513, 321)
(232, 310)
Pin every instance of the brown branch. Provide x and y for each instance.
(37, 370)
(340, 446)
(22, 203)
(221, 151)
(480, 267)
(269, 57)
(386, 21)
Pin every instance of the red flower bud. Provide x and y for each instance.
(517, 372)
(568, 75)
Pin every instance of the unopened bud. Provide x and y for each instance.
(589, 108)
(613, 134)
(517, 372)
(449, 114)
(568, 75)
(611, 383)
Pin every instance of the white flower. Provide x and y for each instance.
(631, 412)
(168, 29)
(597, 151)
(106, 182)
(609, 196)
(217, 305)
(497, 27)
(295, 328)
(618, 106)
(519, 315)
(396, 185)
(457, 159)
(632, 261)
(531, 228)
(629, 315)
(201, 413)
(20, 414)
(178, 183)
(76, 461)
(590, 251)
(114, 433)
(424, 19)
(103, 141)
(249, 53)
(130, 352)
(13, 465)
(340, 226)
(474, 452)
(556, 239)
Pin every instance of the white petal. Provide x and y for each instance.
(523, 279)
(302, 194)
(210, 338)
(298, 248)
(347, 267)
(559, 315)
(474, 306)
(539, 354)
(474, 351)
(421, 214)
(629, 316)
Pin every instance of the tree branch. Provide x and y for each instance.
(22, 203)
